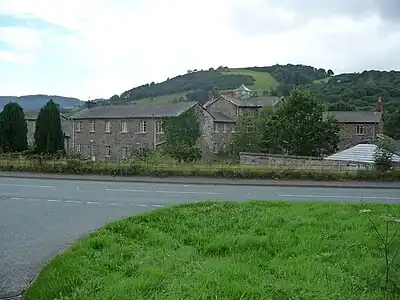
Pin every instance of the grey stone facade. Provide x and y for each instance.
(66, 124)
(116, 132)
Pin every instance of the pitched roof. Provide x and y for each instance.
(134, 111)
(220, 117)
(355, 116)
(33, 114)
(243, 88)
(251, 102)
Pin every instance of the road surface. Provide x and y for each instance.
(40, 217)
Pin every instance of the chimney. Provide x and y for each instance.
(90, 104)
(210, 96)
(379, 107)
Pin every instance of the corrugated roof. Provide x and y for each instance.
(220, 117)
(134, 111)
(363, 153)
(355, 116)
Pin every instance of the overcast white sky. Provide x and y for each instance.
(97, 48)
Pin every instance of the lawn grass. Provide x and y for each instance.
(162, 99)
(263, 80)
(208, 250)
(321, 81)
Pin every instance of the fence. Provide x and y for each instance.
(247, 161)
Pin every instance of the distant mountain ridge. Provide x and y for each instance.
(36, 102)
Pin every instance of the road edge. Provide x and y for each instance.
(207, 181)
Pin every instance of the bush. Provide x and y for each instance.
(159, 169)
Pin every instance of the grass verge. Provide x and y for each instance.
(208, 250)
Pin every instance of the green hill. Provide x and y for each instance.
(342, 91)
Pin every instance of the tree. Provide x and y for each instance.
(383, 156)
(300, 128)
(13, 129)
(330, 72)
(392, 125)
(181, 135)
(49, 137)
(246, 136)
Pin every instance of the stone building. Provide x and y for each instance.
(358, 126)
(227, 109)
(66, 124)
(114, 132)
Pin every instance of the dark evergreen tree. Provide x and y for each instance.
(13, 129)
(49, 137)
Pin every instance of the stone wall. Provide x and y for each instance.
(295, 161)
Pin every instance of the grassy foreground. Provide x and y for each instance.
(251, 250)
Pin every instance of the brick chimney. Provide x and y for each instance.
(379, 106)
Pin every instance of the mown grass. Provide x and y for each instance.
(263, 81)
(162, 99)
(321, 81)
(251, 250)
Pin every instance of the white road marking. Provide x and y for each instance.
(16, 198)
(341, 197)
(34, 199)
(92, 202)
(114, 204)
(157, 205)
(28, 185)
(163, 192)
(72, 201)
(142, 205)
(53, 200)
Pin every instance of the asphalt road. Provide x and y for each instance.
(39, 218)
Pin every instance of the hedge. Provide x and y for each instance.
(213, 171)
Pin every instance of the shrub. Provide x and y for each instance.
(157, 167)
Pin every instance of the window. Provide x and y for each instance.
(143, 126)
(159, 125)
(108, 151)
(233, 126)
(78, 148)
(93, 150)
(124, 152)
(224, 127)
(215, 148)
(215, 127)
(124, 126)
(78, 126)
(93, 126)
(360, 129)
(108, 126)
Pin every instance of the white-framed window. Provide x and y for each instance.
(360, 130)
(159, 126)
(108, 126)
(224, 127)
(108, 150)
(124, 152)
(143, 126)
(93, 126)
(124, 126)
(78, 126)
(215, 148)
(78, 148)
(216, 127)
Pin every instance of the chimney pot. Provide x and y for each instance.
(379, 107)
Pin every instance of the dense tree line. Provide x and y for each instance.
(296, 127)
(48, 136)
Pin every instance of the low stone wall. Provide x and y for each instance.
(294, 161)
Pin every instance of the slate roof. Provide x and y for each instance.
(134, 111)
(355, 116)
(251, 102)
(220, 117)
(33, 114)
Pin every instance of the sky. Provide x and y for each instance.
(97, 48)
